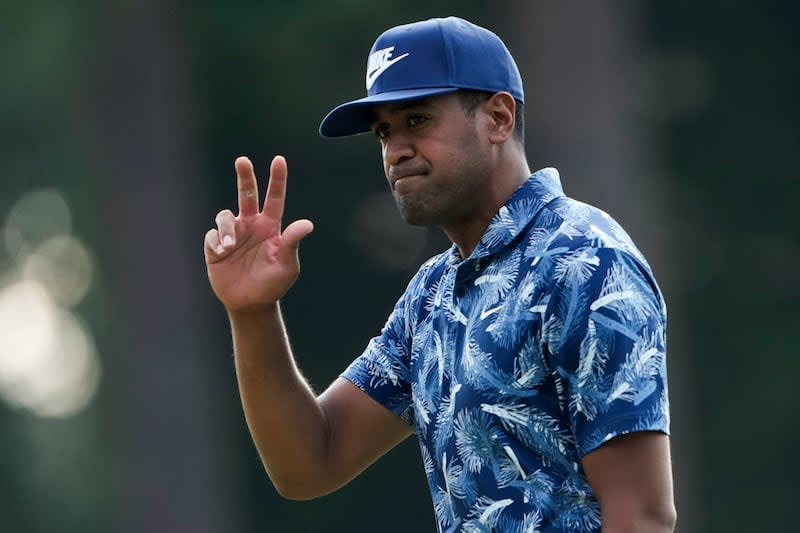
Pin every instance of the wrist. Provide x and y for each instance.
(255, 313)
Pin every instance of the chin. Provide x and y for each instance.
(414, 218)
(418, 213)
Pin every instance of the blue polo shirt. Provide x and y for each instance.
(514, 363)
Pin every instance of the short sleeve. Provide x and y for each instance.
(383, 369)
(606, 331)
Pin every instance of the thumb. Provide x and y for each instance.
(296, 232)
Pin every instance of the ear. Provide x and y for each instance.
(501, 110)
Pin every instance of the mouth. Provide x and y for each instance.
(398, 177)
(406, 177)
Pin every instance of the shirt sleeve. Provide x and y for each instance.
(383, 369)
(607, 331)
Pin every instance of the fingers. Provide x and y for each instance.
(226, 225)
(247, 186)
(211, 244)
(222, 238)
(296, 232)
(276, 189)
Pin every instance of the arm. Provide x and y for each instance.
(631, 477)
(309, 446)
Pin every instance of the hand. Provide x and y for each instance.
(251, 264)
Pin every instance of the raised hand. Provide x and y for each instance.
(251, 263)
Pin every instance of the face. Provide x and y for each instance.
(434, 159)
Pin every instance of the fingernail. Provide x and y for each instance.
(220, 249)
(227, 241)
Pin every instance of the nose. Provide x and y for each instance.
(397, 148)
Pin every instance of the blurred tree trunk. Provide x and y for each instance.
(175, 460)
(584, 115)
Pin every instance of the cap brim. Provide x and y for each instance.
(355, 117)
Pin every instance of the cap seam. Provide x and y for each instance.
(448, 55)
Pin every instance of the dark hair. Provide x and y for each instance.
(471, 99)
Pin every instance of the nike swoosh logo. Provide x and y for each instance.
(372, 76)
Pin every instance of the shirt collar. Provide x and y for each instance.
(516, 214)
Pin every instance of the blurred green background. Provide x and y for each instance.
(119, 124)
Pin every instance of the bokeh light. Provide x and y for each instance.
(34, 218)
(63, 265)
(48, 361)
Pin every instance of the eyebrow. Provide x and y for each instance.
(398, 106)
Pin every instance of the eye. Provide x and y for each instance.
(381, 131)
(416, 120)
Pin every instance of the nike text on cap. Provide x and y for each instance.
(435, 56)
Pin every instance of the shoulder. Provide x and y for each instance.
(583, 225)
(577, 246)
(566, 227)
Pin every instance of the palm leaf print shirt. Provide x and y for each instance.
(512, 364)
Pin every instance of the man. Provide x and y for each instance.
(529, 359)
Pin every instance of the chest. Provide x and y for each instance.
(478, 345)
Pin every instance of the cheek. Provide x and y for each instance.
(384, 163)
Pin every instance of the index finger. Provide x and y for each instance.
(247, 186)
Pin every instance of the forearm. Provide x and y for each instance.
(287, 424)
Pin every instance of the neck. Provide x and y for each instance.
(467, 233)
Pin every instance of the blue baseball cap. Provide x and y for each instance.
(436, 56)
